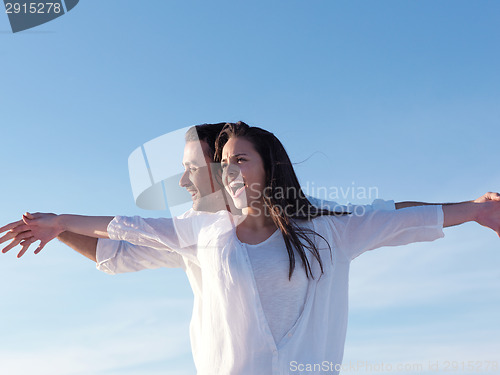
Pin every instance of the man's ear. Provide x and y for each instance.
(216, 170)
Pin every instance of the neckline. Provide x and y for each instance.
(268, 239)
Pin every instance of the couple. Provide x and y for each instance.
(254, 311)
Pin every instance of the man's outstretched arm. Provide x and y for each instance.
(85, 245)
(114, 256)
(400, 205)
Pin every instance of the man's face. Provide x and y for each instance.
(197, 178)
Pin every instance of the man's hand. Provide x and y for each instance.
(19, 233)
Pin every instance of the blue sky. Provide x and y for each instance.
(400, 95)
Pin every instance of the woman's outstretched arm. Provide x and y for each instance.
(85, 245)
(486, 214)
(44, 227)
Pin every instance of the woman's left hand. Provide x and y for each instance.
(488, 215)
(19, 233)
(489, 196)
(43, 227)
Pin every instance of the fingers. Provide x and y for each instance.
(31, 219)
(25, 245)
(7, 237)
(17, 239)
(14, 232)
(494, 196)
(26, 219)
(10, 226)
(40, 247)
(491, 196)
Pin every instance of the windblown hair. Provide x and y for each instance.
(280, 177)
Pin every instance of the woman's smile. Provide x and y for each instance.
(243, 172)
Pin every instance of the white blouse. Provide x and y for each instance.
(230, 332)
(282, 299)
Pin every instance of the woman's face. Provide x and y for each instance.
(243, 172)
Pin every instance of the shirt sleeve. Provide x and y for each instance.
(120, 256)
(164, 234)
(380, 204)
(378, 228)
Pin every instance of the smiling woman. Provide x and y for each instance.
(243, 173)
(241, 325)
(256, 170)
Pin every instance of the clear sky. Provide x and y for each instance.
(399, 95)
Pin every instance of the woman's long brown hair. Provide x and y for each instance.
(284, 208)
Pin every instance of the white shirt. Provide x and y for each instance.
(120, 256)
(282, 300)
(229, 330)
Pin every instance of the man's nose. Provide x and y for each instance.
(184, 181)
(232, 170)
